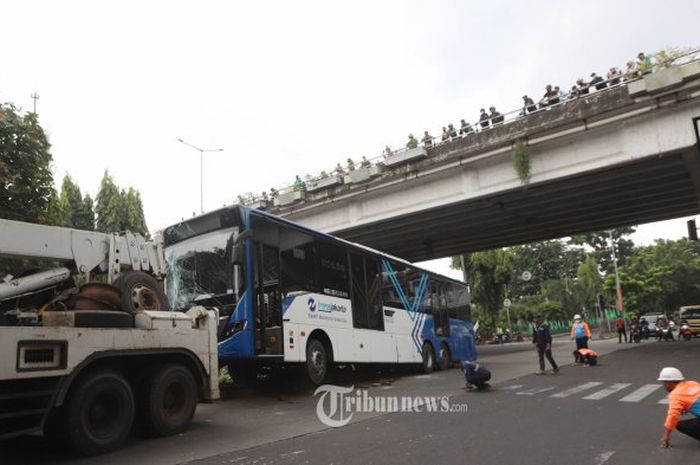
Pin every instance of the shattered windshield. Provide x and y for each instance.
(200, 268)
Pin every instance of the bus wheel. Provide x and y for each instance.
(99, 413)
(316, 361)
(445, 357)
(428, 358)
(169, 400)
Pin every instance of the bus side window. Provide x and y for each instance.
(333, 269)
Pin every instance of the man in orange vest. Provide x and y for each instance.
(684, 397)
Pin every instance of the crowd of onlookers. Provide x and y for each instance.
(553, 96)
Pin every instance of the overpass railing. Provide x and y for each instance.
(373, 167)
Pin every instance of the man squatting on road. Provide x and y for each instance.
(684, 397)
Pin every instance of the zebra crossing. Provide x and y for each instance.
(594, 391)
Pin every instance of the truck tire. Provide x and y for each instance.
(99, 413)
(428, 358)
(140, 291)
(316, 361)
(169, 400)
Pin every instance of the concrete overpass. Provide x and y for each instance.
(625, 156)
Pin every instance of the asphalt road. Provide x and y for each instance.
(524, 419)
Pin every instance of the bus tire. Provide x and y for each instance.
(169, 400)
(428, 358)
(316, 361)
(140, 291)
(445, 357)
(99, 413)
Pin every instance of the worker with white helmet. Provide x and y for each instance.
(581, 332)
(684, 397)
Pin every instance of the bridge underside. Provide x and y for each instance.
(648, 190)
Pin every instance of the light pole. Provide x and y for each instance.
(201, 170)
(618, 288)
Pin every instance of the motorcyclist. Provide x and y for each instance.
(662, 323)
(644, 326)
(634, 329)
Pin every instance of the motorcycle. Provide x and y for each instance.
(664, 334)
(635, 333)
(684, 332)
(645, 332)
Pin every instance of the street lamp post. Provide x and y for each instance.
(618, 288)
(201, 170)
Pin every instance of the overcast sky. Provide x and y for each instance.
(293, 87)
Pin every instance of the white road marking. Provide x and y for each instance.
(603, 457)
(610, 390)
(576, 389)
(663, 401)
(513, 387)
(640, 393)
(533, 391)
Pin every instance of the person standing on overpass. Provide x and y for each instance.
(684, 397)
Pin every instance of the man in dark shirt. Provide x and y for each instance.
(496, 117)
(528, 105)
(542, 339)
(598, 82)
(484, 119)
(475, 375)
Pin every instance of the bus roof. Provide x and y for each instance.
(276, 218)
(181, 231)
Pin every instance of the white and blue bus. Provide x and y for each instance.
(291, 295)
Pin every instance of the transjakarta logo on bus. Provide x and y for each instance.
(325, 307)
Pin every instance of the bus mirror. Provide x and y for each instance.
(238, 253)
(243, 236)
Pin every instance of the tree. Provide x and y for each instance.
(589, 280)
(660, 277)
(489, 272)
(546, 261)
(119, 210)
(26, 182)
(600, 243)
(107, 205)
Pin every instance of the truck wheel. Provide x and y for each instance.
(99, 413)
(428, 358)
(140, 291)
(169, 400)
(445, 357)
(316, 361)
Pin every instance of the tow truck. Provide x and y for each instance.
(88, 364)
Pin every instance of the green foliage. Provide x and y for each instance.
(589, 280)
(600, 243)
(119, 210)
(548, 260)
(521, 162)
(668, 56)
(73, 210)
(26, 182)
(661, 277)
(489, 273)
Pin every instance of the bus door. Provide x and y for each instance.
(267, 302)
(441, 320)
(371, 342)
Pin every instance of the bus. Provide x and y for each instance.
(290, 295)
